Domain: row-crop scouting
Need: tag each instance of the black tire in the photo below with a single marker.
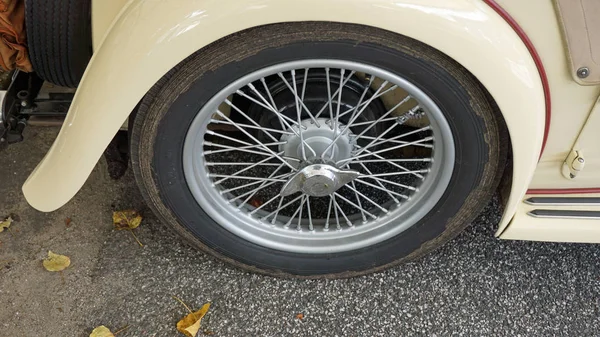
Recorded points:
(59, 39)
(169, 107)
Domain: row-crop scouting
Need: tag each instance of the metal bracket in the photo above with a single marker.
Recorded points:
(574, 164)
(23, 100)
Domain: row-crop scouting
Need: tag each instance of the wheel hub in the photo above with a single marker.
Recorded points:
(318, 138)
(318, 175)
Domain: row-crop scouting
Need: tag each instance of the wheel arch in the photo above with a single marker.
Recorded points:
(149, 38)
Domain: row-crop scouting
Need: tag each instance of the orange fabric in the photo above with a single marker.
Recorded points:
(13, 40)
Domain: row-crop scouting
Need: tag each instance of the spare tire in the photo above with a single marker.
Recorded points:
(59, 38)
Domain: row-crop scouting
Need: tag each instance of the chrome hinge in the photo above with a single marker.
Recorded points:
(573, 164)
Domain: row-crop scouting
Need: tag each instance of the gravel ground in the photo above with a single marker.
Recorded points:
(476, 285)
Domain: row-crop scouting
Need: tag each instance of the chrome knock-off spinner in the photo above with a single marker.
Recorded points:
(318, 180)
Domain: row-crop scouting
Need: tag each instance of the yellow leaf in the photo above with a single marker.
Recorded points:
(101, 331)
(128, 219)
(56, 262)
(5, 224)
(190, 324)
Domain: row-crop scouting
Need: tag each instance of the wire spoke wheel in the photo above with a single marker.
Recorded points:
(317, 149)
(318, 156)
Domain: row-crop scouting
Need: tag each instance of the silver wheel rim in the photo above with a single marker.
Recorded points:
(272, 221)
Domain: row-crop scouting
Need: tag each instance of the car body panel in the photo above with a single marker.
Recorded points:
(526, 227)
(571, 102)
(104, 13)
(150, 37)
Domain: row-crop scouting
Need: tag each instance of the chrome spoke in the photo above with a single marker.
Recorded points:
(352, 120)
(263, 205)
(228, 148)
(254, 127)
(375, 96)
(395, 138)
(393, 183)
(330, 99)
(282, 121)
(371, 122)
(348, 222)
(281, 117)
(282, 207)
(406, 99)
(380, 184)
(228, 102)
(393, 173)
(251, 193)
(375, 142)
(295, 92)
(284, 124)
(391, 162)
(241, 164)
(212, 133)
(389, 140)
(251, 184)
(263, 185)
(362, 211)
(304, 84)
(257, 141)
(299, 226)
(246, 169)
(366, 198)
(287, 224)
(401, 160)
(326, 228)
(310, 222)
(355, 206)
(404, 196)
(335, 211)
(214, 175)
(351, 159)
(339, 103)
(298, 115)
(277, 210)
(362, 97)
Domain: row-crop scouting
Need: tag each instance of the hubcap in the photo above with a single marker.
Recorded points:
(318, 156)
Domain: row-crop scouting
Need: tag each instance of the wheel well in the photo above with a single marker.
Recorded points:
(504, 178)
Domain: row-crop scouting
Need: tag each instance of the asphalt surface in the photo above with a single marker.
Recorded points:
(475, 285)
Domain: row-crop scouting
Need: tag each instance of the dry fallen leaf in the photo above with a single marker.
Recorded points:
(190, 324)
(68, 222)
(6, 223)
(101, 331)
(300, 316)
(128, 219)
(56, 262)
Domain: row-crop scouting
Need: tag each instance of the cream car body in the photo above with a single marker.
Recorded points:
(138, 41)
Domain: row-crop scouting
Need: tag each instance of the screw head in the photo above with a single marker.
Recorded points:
(583, 72)
(23, 103)
(581, 160)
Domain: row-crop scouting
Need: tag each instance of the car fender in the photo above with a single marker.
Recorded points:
(149, 37)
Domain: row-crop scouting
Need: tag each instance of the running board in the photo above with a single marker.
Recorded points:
(564, 214)
(563, 201)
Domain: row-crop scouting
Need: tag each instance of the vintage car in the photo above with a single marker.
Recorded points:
(324, 138)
